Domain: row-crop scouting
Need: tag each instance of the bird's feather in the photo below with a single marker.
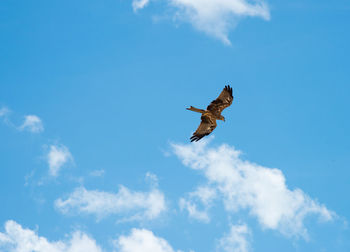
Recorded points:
(207, 125)
(223, 101)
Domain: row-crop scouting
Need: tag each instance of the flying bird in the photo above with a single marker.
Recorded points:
(212, 113)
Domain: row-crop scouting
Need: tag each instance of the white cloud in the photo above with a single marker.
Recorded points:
(203, 195)
(15, 238)
(32, 123)
(19, 239)
(4, 111)
(139, 4)
(245, 185)
(215, 18)
(134, 205)
(236, 240)
(192, 210)
(97, 173)
(152, 179)
(57, 157)
(142, 240)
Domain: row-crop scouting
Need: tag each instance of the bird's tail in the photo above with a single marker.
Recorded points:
(196, 110)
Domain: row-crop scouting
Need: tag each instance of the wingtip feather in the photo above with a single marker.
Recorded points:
(229, 89)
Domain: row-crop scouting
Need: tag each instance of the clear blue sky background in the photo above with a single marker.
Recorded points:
(112, 86)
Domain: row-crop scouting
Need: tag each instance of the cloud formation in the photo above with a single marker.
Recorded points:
(139, 4)
(241, 184)
(19, 239)
(142, 240)
(97, 173)
(236, 240)
(4, 111)
(193, 210)
(204, 195)
(215, 18)
(57, 156)
(133, 205)
(32, 123)
(15, 238)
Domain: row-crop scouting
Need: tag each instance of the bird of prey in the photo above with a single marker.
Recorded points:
(212, 113)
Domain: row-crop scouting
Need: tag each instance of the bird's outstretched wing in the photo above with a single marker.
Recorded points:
(223, 101)
(207, 125)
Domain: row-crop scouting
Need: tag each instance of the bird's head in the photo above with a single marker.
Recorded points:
(222, 118)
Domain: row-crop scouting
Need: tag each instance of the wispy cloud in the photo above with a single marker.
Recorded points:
(139, 4)
(193, 211)
(142, 240)
(203, 195)
(32, 123)
(97, 173)
(236, 240)
(131, 205)
(57, 156)
(215, 18)
(242, 184)
(152, 179)
(19, 239)
(4, 111)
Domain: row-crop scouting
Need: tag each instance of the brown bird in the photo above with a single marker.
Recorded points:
(212, 113)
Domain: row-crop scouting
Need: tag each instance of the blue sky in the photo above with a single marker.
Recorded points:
(95, 152)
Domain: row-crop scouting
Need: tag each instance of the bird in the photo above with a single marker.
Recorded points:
(212, 113)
